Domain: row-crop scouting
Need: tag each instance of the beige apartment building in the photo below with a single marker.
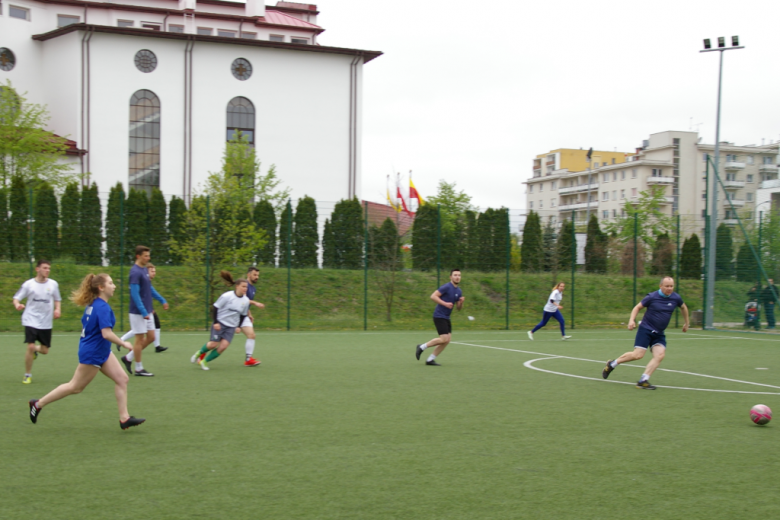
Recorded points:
(674, 161)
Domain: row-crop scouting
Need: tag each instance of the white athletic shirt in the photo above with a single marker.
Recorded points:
(231, 308)
(555, 296)
(39, 308)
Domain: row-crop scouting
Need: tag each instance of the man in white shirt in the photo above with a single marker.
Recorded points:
(43, 306)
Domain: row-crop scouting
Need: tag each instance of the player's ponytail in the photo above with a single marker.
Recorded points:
(225, 275)
(89, 289)
(555, 288)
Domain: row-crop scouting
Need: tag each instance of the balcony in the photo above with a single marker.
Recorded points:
(774, 183)
(730, 221)
(578, 189)
(665, 200)
(579, 205)
(737, 203)
(734, 185)
(767, 168)
(660, 180)
(731, 165)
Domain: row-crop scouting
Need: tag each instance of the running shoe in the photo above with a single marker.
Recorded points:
(132, 421)
(607, 369)
(203, 364)
(418, 351)
(27, 380)
(565, 338)
(251, 362)
(160, 349)
(195, 357)
(143, 373)
(645, 385)
(433, 363)
(530, 335)
(34, 410)
(202, 356)
(128, 364)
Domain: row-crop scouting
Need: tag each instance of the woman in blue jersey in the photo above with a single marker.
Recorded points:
(94, 349)
(552, 310)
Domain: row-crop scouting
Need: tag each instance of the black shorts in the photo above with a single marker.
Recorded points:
(42, 336)
(443, 326)
(156, 320)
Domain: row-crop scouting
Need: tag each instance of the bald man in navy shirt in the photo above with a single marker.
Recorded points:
(660, 307)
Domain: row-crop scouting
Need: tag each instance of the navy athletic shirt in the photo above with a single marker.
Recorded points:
(140, 276)
(250, 291)
(449, 294)
(659, 310)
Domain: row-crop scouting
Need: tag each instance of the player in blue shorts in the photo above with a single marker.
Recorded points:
(660, 307)
(447, 297)
(94, 349)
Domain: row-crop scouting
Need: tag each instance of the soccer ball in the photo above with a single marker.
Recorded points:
(761, 414)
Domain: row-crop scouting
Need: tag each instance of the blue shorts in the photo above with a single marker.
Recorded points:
(95, 357)
(646, 338)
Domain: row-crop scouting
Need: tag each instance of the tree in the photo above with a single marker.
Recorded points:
(651, 221)
(91, 221)
(264, 217)
(177, 219)
(158, 228)
(116, 225)
(46, 216)
(18, 238)
(348, 235)
(385, 261)
(453, 204)
(70, 231)
(485, 232)
(747, 267)
(328, 247)
(595, 248)
(532, 256)
(565, 244)
(305, 236)
(4, 239)
(27, 149)
(425, 238)
(285, 234)
(137, 222)
(724, 253)
(691, 258)
(549, 238)
(663, 256)
(628, 264)
(471, 241)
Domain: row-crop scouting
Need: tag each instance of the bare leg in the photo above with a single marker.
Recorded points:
(29, 356)
(441, 343)
(114, 371)
(141, 342)
(223, 345)
(636, 355)
(659, 351)
(83, 376)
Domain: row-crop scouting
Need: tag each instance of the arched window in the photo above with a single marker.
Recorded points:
(241, 117)
(144, 141)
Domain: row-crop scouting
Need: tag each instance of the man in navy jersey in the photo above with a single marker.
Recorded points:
(247, 325)
(447, 297)
(660, 307)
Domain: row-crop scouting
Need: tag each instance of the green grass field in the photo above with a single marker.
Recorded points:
(350, 425)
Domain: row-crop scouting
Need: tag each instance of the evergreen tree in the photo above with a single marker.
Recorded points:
(485, 231)
(4, 224)
(328, 247)
(158, 228)
(136, 216)
(663, 256)
(177, 218)
(724, 253)
(46, 214)
(471, 242)
(564, 245)
(384, 246)
(265, 219)
(425, 238)
(500, 238)
(19, 238)
(747, 267)
(285, 231)
(691, 258)
(348, 234)
(532, 255)
(70, 231)
(595, 248)
(549, 238)
(305, 237)
(116, 224)
(91, 221)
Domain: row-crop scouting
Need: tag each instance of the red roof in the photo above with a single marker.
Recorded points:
(377, 213)
(280, 18)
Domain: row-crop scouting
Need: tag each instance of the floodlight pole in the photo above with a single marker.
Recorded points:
(709, 310)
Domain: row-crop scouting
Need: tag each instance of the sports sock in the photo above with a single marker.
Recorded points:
(250, 348)
(127, 336)
(130, 356)
(431, 357)
(644, 377)
(28, 375)
(423, 346)
(139, 366)
(212, 356)
(204, 348)
(156, 337)
(614, 364)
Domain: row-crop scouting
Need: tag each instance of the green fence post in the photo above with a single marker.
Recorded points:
(508, 259)
(30, 224)
(573, 261)
(438, 245)
(122, 261)
(760, 256)
(208, 259)
(677, 274)
(289, 257)
(636, 232)
(365, 265)
(706, 233)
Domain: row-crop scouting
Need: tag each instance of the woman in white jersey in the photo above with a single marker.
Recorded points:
(552, 310)
(229, 311)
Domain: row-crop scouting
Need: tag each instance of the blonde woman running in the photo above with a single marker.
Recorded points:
(552, 310)
(94, 349)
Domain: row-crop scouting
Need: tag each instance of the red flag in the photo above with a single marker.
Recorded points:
(403, 202)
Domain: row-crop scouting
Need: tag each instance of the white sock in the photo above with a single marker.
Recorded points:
(28, 375)
(431, 357)
(423, 346)
(250, 348)
(130, 356)
(128, 336)
(156, 337)
(139, 366)
(644, 377)
(614, 364)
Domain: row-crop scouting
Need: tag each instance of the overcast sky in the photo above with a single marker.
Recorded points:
(471, 91)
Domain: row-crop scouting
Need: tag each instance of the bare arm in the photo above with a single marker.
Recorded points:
(634, 312)
(460, 302)
(436, 296)
(57, 309)
(684, 310)
(19, 306)
(113, 338)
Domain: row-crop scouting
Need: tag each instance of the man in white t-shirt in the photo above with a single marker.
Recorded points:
(43, 306)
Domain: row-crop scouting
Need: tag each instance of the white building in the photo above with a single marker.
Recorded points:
(150, 90)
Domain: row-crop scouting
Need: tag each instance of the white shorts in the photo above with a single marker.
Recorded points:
(140, 325)
(246, 323)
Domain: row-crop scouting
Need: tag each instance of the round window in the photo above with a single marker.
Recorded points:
(7, 59)
(241, 69)
(145, 61)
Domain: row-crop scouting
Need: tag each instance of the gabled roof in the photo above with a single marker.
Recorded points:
(377, 213)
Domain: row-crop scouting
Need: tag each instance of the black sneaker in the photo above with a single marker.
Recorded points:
(433, 363)
(419, 351)
(132, 421)
(128, 364)
(34, 410)
(144, 373)
(645, 385)
(607, 369)
(160, 349)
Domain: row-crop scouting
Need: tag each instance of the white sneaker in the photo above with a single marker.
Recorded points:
(203, 365)
(565, 338)
(530, 335)
(194, 358)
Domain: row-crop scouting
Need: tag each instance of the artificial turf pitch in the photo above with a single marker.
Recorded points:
(350, 425)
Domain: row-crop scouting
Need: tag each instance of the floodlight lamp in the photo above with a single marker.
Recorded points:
(735, 41)
(707, 44)
(721, 42)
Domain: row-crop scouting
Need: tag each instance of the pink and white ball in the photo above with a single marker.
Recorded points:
(761, 414)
